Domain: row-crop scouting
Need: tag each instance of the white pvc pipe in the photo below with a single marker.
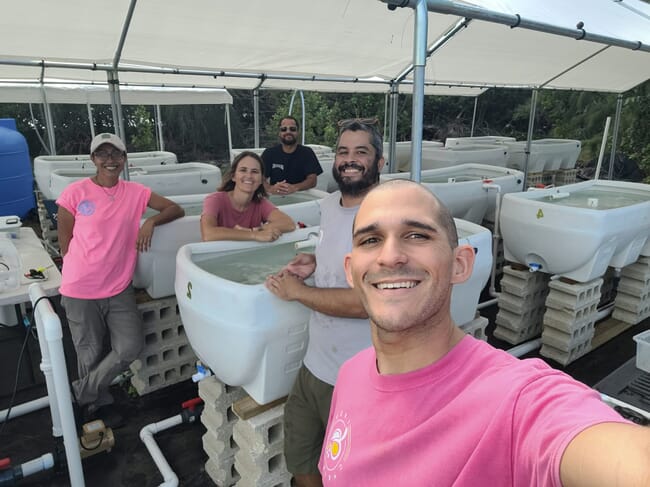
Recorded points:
(147, 436)
(604, 312)
(495, 241)
(43, 402)
(526, 347)
(612, 401)
(39, 464)
(310, 241)
(49, 329)
(602, 148)
(25, 408)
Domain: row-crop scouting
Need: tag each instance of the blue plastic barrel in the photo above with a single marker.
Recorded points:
(16, 178)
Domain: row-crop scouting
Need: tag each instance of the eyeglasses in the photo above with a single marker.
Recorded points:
(363, 121)
(290, 129)
(104, 155)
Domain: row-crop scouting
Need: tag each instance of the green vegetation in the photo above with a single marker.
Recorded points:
(198, 133)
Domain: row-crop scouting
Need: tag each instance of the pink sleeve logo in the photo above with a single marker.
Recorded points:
(337, 445)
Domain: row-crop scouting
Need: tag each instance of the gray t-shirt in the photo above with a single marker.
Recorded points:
(333, 340)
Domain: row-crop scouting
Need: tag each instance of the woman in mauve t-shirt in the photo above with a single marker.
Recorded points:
(240, 210)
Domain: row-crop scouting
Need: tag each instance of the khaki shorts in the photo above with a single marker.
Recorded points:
(305, 420)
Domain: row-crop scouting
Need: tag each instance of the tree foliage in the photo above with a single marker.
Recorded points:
(198, 132)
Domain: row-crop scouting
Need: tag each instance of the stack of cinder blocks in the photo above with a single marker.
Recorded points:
(218, 418)
(570, 318)
(167, 357)
(545, 178)
(260, 458)
(565, 176)
(243, 452)
(632, 303)
(476, 327)
(521, 305)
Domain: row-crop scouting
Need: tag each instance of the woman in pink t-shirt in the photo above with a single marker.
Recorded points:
(240, 210)
(100, 236)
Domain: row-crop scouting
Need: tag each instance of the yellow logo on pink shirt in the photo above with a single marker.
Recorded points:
(337, 445)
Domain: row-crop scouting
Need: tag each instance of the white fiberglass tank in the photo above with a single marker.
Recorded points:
(545, 154)
(577, 230)
(481, 139)
(439, 157)
(403, 153)
(175, 179)
(249, 337)
(463, 188)
(44, 165)
(155, 269)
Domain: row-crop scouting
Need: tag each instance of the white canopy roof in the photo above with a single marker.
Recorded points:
(316, 44)
(52, 92)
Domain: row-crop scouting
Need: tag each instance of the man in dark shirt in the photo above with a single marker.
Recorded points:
(289, 166)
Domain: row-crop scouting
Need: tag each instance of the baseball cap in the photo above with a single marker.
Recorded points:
(107, 138)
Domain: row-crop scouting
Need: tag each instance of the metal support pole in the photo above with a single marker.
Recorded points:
(419, 63)
(227, 111)
(116, 108)
(392, 148)
(49, 123)
(617, 123)
(256, 117)
(91, 120)
(159, 127)
(529, 136)
(471, 133)
(302, 108)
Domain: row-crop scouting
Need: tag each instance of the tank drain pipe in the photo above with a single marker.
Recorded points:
(10, 475)
(495, 241)
(24, 408)
(191, 410)
(525, 347)
(310, 241)
(53, 365)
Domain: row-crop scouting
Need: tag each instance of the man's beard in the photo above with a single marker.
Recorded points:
(356, 188)
(293, 141)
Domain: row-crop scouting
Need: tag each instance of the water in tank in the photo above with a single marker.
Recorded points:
(16, 178)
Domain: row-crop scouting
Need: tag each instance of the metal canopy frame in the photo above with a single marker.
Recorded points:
(468, 12)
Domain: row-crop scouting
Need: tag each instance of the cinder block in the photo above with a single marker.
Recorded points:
(275, 480)
(148, 379)
(634, 287)
(565, 322)
(159, 311)
(639, 270)
(558, 318)
(634, 304)
(257, 468)
(262, 431)
(476, 327)
(573, 296)
(520, 305)
(567, 341)
(217, 448)
(563, 357)
(565, 176)
(515, 322)
(629, 317)
(522, 283)
(516, 337)
(218, 395)
(223, 474)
